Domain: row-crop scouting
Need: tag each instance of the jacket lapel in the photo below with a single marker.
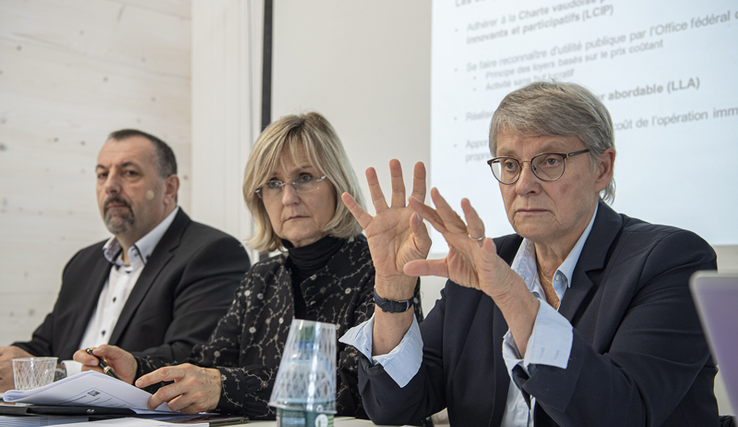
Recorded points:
(594, 256)
(162, 254)
(99, 274)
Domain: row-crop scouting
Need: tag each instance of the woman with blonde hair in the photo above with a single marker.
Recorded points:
(294, 177)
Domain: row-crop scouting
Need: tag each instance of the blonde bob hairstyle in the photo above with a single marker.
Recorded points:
(324, 152)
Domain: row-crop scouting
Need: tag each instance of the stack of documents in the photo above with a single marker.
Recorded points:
(134, 422)
(92, 396)
(91, 389)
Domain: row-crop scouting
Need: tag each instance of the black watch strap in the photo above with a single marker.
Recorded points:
(392, 306)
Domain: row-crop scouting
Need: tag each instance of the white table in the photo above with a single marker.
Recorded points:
(338, 422)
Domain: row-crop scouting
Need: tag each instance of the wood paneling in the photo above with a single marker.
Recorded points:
(71, 72)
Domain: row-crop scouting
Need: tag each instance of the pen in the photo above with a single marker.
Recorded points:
(101, 363)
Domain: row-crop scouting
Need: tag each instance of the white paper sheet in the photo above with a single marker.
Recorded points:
(87, 389)
(133, 422)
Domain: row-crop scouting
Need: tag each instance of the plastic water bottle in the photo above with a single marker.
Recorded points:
(304, 393)
(290, 418)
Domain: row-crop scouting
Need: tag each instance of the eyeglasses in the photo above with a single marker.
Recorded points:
(304, 183)
(546, 166)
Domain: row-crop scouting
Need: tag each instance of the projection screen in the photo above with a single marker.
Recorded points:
(666, 70)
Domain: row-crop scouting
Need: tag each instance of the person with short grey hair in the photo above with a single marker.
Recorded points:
(582, 318)
(557, 109)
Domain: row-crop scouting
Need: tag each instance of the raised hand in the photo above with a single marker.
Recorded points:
(472, 259)
(122, 362)
(396, 234)
(194, 389)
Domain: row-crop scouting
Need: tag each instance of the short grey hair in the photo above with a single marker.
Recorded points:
(325, 153)
(557, 109)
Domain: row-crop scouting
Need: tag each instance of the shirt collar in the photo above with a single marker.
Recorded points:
(139, 253)
(525, 260)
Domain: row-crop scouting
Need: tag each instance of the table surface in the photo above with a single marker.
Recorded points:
(337, 422)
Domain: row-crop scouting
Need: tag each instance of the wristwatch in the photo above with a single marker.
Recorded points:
(392, 306)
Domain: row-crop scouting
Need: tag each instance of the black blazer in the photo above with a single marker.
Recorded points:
(639, 355)
(185, 287)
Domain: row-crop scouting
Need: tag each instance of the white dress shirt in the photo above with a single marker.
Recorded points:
(549, 344)
(120, 282)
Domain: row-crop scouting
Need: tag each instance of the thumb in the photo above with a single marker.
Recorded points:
(423, 267)
(423, 240)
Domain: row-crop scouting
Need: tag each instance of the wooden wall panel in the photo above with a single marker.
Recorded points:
(71, 72)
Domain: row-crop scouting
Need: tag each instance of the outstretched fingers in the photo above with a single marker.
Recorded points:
(475, 226)
(451, 220)
(378, 200)
(356, 210)
(428, 213)
(419, 182)
(398, 185)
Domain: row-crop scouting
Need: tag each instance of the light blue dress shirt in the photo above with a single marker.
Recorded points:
(549, 343)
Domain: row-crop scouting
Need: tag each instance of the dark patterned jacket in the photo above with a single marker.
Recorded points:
(246, 346)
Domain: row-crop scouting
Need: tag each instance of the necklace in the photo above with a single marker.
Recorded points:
(551, 296)
(543, 275)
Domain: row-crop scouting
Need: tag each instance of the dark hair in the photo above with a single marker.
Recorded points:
(167, 163)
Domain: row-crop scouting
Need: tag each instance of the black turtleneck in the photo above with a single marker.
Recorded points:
(305, 261)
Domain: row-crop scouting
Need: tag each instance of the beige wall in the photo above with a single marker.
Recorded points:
(71, 72)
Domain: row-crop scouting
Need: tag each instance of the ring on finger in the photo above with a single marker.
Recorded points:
(477, 239)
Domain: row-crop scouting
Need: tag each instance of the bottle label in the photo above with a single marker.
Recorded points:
(287, 418)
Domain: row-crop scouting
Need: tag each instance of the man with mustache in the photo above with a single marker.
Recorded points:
(156, 287)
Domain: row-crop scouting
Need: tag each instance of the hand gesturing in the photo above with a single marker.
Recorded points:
(396, 234)
(472, 259)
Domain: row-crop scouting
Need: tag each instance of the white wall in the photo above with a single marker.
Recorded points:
(71, 72)
(226, 106)
(365, 65)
